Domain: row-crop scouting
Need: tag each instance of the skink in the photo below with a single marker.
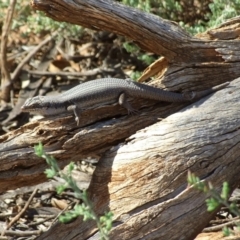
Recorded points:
(106, 90)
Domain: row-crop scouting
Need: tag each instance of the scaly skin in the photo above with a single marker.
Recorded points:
(106, 90)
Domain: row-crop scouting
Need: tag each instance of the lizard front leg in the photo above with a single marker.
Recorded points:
(76, 112)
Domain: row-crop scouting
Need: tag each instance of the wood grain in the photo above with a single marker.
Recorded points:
(142, 177)
(144, 182)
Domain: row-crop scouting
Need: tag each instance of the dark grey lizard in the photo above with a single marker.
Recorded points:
(106, 90)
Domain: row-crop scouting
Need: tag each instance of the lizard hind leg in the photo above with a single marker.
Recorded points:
(122, 100)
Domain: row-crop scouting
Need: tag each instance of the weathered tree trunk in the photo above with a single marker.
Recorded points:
(143, 182)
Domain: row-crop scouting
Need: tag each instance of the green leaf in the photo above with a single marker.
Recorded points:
(71, 167)
(233, 206)
(67, 217)
(146, 59)
(212, 204)
(225, 191)
(60, 189)
(130, 47)
(50, 173)
(226, 231)
(191, 178)
(38, 149)
(106, 221)
(85, 209)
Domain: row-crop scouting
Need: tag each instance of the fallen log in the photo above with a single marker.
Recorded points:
(143, 181)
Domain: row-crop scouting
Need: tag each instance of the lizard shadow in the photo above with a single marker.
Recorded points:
(98, 190)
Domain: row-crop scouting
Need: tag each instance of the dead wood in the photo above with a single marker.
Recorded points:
(6, 78)
(207, 60)
(17, 217)
(144, 180)
(67, 142)
(31, 54)
(34, 85)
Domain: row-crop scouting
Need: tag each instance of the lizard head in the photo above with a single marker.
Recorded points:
(38, 104)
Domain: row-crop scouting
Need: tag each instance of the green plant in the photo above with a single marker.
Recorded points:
(166, 9)
(135, 75)
(36, 22)
(196, 16)
(221, 10)
(39, 22)
(215, 199)
(134, 49)
(104, 223)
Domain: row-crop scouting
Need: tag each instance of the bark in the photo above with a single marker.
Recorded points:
(67, 142)
(5, 74)
(210, 58)
(143, 182)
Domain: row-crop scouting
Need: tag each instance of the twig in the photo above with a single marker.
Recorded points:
(60, 213)
(31, 54)
(22, 233)
(44, 216)
(55, 219)
(6, 78)
(220, 226)
(4, 215)
(67, 74)
(222, 220)
(41, 221)
(21, 212)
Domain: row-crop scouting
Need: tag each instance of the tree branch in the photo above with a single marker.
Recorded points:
(164, 39)
(189, 61)
(144, 182)
(6, 78)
